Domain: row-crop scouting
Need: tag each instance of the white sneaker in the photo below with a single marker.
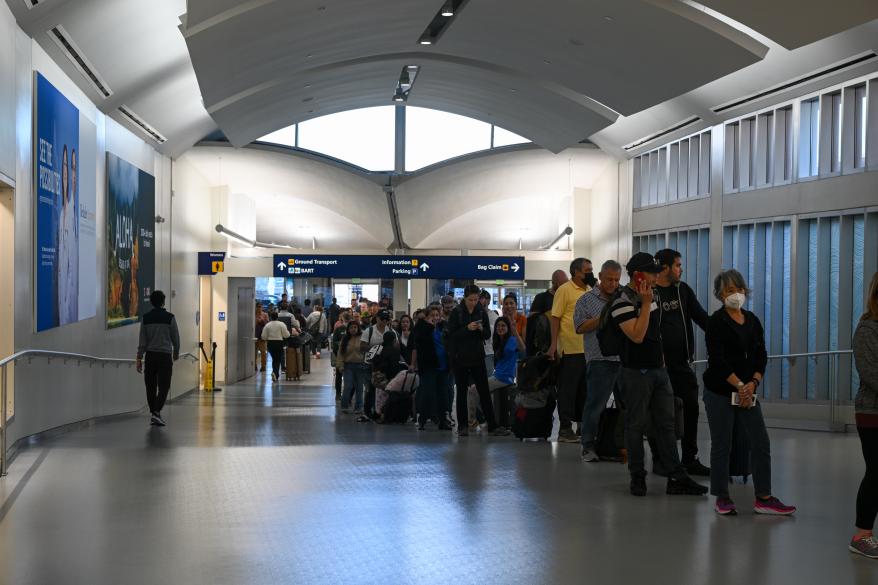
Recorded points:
(157, 420)
(589, 455)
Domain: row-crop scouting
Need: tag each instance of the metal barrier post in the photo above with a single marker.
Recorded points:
(3, 390)
(835, 423)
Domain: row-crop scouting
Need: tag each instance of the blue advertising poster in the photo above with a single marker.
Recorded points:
(400, 267)
(57, 208)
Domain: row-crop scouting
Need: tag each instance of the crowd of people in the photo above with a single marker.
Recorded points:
(631, 346)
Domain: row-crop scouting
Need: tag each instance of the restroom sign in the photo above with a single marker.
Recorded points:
(211, 263)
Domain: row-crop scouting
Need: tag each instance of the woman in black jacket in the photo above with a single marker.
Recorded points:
(736, 365)
(468, 328)
(430, 362)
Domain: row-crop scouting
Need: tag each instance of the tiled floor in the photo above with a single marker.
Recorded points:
(266, 484)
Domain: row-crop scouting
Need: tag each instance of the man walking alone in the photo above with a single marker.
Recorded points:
(160, 347)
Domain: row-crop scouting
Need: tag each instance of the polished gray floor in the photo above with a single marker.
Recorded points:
(270, 484)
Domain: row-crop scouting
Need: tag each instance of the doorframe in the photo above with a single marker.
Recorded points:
(7, 287)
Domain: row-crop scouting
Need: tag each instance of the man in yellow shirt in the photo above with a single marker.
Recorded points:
(567, 345)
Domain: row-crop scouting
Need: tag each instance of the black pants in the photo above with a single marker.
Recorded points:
(338, 380)
(571, 389)
(685, 385)
(157, 369)
(277, 350)
(867, 497)
(479, 376)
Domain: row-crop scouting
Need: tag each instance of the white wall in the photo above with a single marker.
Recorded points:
(49, 395)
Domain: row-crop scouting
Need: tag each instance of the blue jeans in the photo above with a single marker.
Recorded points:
(601, 379)
(721, 417)
(648, 396)
(355, 378)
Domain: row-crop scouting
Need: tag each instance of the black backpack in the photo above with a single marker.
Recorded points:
(611, 339)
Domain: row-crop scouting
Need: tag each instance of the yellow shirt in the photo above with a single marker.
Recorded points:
(569, 341)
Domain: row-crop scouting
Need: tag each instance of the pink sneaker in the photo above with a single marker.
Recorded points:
(772, 506)
(725, 507)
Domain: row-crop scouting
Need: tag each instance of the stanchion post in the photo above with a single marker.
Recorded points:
(213, 370)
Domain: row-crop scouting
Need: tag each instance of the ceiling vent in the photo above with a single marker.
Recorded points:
(870, 56)
(138, 121)
(640, 142)
(31, 3)
(440, 23)
(69, 48)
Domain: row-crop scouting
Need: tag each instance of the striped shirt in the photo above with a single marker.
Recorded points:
(589, 306)
(648, 353)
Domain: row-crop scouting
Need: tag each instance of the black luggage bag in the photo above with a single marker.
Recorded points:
(610, 443)
(535, 423)
(398, 408)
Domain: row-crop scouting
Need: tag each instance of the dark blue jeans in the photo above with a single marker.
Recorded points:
(601, 378)
(721, 417)
(648, 396)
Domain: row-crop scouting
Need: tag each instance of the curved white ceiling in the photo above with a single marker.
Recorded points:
(258, 62)
(656, 62)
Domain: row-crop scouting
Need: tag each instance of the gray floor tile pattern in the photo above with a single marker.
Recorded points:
(271, 484)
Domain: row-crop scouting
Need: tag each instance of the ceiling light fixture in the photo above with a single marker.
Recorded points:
(405, 83)
(449, 11)
(220, 228)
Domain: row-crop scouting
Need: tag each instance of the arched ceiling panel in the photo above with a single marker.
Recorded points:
(298, 198)
(795, 23)
(456, 87)
(625, 54)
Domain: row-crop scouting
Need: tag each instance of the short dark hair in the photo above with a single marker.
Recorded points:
(272, 316)
(577, 264)
(667, 256)
(485, 294)
(334, 300)
(157, 299)
(307, 301)
(471, 289)
(511, 296)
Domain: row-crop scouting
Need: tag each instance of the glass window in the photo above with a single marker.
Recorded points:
(809, 138)
(835, 134)
(506, 138)
(433, 136)
(860, 126)
(363, 137)
(284, 136)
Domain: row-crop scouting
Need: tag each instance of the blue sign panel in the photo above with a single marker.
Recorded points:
(402, 267)
(210, 263)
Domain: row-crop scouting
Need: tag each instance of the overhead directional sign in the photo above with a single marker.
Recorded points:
(407, 267)
(210, 263)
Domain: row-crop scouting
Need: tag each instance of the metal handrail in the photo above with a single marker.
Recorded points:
(813, 354)
(50, 355)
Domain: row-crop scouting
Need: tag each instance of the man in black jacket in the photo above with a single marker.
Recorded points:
(680, 308)
(467, 329)
(160, 345)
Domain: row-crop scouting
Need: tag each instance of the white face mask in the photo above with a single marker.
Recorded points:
(735, 301)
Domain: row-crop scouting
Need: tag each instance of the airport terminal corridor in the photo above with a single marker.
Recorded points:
(267, 484)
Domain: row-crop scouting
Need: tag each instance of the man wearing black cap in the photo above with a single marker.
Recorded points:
(643, 380)
(680, 307)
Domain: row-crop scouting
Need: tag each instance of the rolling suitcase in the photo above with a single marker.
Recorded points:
(398, 408)
(305, 352)
(293, 360)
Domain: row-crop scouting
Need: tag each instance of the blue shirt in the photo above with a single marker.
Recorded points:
(440, 349)
(504, 368)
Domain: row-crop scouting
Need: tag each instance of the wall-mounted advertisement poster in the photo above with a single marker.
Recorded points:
(65, 234)
(130, 241)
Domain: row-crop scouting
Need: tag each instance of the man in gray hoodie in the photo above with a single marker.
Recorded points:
(160, 346)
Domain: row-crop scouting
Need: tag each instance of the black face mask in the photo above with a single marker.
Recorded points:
(589, 279)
